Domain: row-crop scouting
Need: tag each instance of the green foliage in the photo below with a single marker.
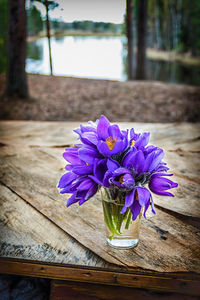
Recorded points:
(86, 26)
(190, 27)
(3, 35)
(34, 21)
(173, 25)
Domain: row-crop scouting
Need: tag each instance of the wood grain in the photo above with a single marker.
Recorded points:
(62, 290)
(31, 164)
(24, 233)
(187, 284)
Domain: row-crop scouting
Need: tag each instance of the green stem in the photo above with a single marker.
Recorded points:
(120, 219)
(109, 220)
(128, 219)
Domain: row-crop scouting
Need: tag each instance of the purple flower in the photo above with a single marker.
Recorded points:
(82, 188)
(136, 199)
(121, 162)
(88, 154)
(103, 171)
(123, 178)
(111, 140)
(135, 161)
(159, 185)
(139, 140)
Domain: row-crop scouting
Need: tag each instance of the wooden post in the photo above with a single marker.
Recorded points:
(141, 39)
(16, 75)
(129, 30)
(48, 35)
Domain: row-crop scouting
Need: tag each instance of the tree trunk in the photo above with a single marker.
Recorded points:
(141, 39)
(16, 75)
(129, 30)
(48, 35)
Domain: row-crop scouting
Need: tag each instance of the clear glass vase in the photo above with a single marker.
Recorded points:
(121, 231)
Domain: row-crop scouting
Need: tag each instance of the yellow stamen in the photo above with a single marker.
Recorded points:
(132, 143)
(87, 164)
(121, 179)
(111, 142)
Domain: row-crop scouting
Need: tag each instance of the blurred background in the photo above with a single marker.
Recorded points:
(116, 40)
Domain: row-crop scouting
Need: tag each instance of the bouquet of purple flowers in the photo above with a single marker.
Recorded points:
(121, 161)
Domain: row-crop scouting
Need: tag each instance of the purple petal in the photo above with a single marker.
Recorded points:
(89, 138)
(83, 169)
(107, 178)
(133, 136)
(124, 208)
(128, 181)
(77, 130)
(158, 185)
(146, 207)
(66, 179)
(81, 201)
(71, 155)
(81, 194)
(161, 174)
(135, 160)
(153, 159)
(139, 161)
(104, 149)
(95, 179)
(161, 167)
(152, 205)
(135, 209)
(66, 190)
(100, 168)
(69, 167)
(88, 154)
(85, 184)
(121, 171)
(163, 193)
(71, 200)
(112, 164)
(129, 198)
(93, 189)
(102, 127)
(114, 131)
(126, 162)
(143, 140)
(88, 128)
(149, 149)
(143, 195)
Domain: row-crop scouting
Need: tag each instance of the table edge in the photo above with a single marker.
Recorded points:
(183, 283)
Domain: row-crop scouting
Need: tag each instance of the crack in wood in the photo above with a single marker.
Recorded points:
(181, 151)
(194, 221)
(187, 177)
(51, 146)
(4, 184)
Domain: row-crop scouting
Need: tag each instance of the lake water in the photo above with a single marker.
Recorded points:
(101, 58)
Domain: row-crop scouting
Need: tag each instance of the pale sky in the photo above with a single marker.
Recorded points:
(95, 10)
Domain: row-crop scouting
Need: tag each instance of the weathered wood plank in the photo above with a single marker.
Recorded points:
(85, 224)
(187, 284)
(32, 164)
(88, 291)
(26, 233)
(171, 136)
(176, 138)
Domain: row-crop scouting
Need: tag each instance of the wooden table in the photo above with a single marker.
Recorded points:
(40, 237)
